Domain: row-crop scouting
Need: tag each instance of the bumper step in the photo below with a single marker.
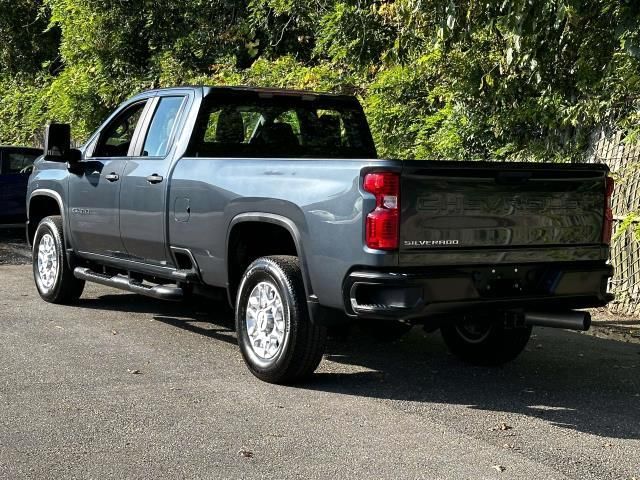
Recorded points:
(549, 291)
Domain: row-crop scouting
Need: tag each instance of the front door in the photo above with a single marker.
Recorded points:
(145, 184)
(95, 182)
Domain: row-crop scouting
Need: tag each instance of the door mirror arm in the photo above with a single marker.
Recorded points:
(74, 156)
(73, 161)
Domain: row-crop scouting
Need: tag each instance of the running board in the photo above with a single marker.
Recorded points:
(163, 292)
(185, 275)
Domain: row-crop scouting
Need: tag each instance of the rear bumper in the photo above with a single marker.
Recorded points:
(412, 294)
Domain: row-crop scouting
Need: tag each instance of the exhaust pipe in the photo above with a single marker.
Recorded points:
(570, 320)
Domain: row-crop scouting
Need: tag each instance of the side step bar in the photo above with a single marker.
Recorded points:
(163, 292)
(570, 320)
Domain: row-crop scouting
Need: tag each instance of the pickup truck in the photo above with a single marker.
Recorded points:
(15, 167)
(277, 199)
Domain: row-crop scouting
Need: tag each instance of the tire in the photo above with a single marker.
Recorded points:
(53, 277)
(271, 302)
(490, 343)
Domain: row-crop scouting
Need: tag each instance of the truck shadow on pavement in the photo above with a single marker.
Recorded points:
(567, 379)
(194, 316)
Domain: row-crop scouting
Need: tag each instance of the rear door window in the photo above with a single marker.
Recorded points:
(161, 130)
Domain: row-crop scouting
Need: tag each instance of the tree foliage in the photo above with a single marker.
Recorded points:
(27, 45)
(522, 79)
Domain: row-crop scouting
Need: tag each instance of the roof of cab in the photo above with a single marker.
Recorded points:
(288, 92)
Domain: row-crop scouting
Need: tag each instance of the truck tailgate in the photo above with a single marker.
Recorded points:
(472, 212)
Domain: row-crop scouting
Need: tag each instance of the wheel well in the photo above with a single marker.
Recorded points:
(40, 207)
(251, 240)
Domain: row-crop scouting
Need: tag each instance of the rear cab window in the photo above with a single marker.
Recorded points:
(254, 125)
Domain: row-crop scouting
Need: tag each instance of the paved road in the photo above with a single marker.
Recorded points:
(13, 248)
(71, 408)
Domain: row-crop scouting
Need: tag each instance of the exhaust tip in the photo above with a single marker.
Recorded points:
(571, 320)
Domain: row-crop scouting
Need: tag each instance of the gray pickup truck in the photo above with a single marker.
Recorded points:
(277, 200)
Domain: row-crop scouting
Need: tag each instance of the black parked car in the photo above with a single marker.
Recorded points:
(16, 164)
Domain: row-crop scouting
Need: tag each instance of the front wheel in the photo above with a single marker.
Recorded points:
(482, 341)
(54, 279)
(277, 339)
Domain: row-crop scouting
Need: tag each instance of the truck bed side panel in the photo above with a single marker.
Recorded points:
(322, 197)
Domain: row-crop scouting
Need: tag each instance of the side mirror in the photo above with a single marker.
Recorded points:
(57, 144)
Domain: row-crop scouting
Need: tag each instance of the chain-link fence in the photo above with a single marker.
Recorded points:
(623, 159)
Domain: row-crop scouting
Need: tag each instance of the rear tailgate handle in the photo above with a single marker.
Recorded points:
(113, 177)
(512, 177)
(155, 178)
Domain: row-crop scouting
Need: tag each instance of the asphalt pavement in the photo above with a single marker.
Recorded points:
(122, 386)
(13, 248)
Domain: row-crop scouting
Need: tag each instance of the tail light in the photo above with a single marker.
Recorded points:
(382, 227)
(607, 224)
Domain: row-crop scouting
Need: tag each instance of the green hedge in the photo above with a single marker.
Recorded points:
(526, 79)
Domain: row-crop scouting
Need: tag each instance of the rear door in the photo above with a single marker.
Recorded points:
(468, 212)
(95, 182)
(145, 182)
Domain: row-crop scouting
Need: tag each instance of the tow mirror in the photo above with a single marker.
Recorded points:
(57, 144)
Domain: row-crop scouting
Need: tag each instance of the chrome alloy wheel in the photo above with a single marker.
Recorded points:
(47, 261)
(265, 321)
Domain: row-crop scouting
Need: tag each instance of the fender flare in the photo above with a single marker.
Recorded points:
(281, 221)
(45, 192)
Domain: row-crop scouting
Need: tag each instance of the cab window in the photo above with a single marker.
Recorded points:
(162, 127)
(116, 138)
(280, 127)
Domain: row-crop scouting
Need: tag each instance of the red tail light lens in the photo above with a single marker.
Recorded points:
(607, 224)
(382, 226)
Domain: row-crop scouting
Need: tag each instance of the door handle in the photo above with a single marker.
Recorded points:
(112, 177)
(155, 178)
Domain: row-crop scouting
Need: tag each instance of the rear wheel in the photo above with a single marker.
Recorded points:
(277, 339)
(482, 341)
(54, 279)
